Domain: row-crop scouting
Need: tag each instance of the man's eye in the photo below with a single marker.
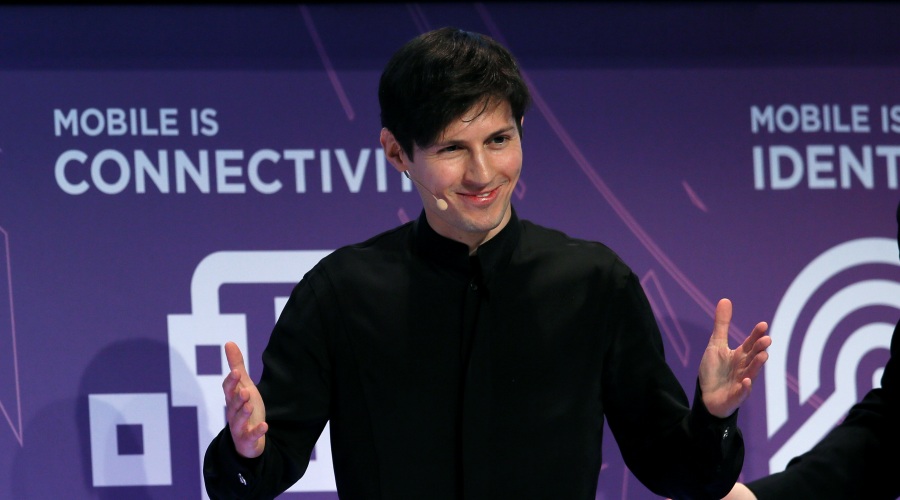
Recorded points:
(501, 139)
(449, 149)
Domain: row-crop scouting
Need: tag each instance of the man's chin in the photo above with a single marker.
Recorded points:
(494, 223)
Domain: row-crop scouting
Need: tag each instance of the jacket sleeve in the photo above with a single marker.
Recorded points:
(295, 386)
(675, 450)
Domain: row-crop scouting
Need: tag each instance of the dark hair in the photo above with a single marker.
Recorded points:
(438, 76)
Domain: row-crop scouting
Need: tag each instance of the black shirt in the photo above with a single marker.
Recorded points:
(449, 376)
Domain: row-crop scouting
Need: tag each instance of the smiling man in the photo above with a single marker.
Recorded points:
(472, 169)
(471, 354)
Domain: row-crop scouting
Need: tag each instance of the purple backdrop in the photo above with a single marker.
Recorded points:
(168, 173)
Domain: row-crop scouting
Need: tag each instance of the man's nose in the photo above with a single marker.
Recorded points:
(478, 170)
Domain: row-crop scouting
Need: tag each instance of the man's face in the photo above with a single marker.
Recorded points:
(473, 166)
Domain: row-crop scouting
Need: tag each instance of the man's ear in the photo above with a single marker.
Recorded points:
(393, 151)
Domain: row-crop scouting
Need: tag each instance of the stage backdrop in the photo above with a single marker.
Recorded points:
(167, 174)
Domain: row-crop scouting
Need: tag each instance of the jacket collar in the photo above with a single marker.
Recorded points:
(492, 256)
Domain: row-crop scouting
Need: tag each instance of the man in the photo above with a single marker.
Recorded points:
(857, 459)
(470, 354)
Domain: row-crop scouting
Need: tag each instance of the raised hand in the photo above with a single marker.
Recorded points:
(726, 375)
(245, 410)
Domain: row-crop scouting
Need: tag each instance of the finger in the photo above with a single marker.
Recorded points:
(229, 385)
(238, 420)
(258, 431)
(756, 365)
(230, 389)
(759, 330)
(234, 356)
(762, 343)
(251, 431)
(752, 344)
(251, 442)
(757, 341)
(236, 401)
(721, 323)
(741, 392)
(746, 386)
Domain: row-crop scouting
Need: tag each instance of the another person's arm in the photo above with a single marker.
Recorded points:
(856, 459)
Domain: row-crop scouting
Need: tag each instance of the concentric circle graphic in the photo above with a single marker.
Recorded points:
(826, 317)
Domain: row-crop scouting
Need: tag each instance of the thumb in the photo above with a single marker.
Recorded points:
(234, 356)
(721, 323)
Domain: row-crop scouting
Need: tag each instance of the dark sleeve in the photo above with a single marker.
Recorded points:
(857, 459)
(673, 449)
(295, 387)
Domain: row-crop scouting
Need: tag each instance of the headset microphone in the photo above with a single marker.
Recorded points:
(441, 204)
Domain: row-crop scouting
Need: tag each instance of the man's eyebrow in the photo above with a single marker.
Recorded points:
(443, 142)
(503, 130)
